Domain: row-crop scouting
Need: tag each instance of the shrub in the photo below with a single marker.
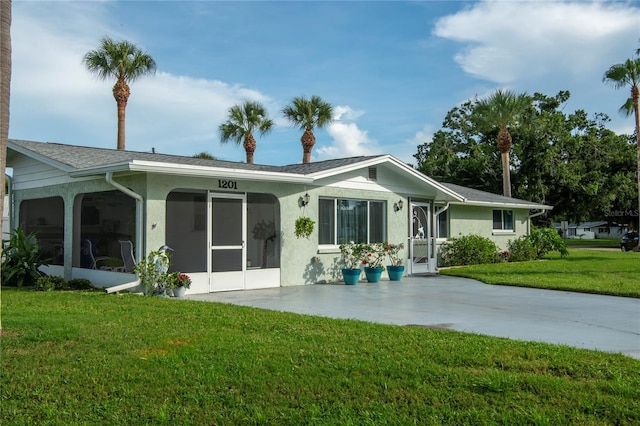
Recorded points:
(469, 250)
(521, 250)
(547, 240)
(50, 283)
(80, 284)
(21, 259)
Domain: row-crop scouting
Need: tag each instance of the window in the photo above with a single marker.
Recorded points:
(503, 220)
(443, 225)
(344, 220)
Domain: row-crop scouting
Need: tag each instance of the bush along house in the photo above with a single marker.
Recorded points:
(231, 225)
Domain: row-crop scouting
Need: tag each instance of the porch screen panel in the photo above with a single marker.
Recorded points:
(352, 221)
(263, 231)
(186, 230)
(377, 228)
(45, 218)
(227, 237)
(227, 222)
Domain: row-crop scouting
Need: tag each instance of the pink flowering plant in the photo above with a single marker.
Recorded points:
(179, 279)
(393, 253)
(375, 254)
(353, 254)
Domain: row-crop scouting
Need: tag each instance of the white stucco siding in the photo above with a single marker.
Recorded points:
(29, 173)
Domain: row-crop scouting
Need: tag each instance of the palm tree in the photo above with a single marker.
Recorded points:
(307, 114)
(503, 108)
(242, 121)
(5, 88)
(126, 63)
(628, 74)
(204, 155)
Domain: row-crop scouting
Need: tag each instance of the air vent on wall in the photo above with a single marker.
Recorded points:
(373, 173)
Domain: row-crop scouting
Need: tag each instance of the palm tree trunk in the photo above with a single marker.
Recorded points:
(5, 89)
(249, 146)
(506, 174)
(121, 94)
(308, 140)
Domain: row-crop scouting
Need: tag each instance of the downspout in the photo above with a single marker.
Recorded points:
(139, 228)
(531, 216)
(11, 211)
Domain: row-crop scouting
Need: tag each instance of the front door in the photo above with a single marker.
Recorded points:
(227, 254)
(419, 242)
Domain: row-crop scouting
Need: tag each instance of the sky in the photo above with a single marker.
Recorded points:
(391, 70)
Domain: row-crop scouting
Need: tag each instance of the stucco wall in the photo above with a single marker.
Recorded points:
(301, 261)
(467, 220)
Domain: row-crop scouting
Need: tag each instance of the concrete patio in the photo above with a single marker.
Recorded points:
(605, 323)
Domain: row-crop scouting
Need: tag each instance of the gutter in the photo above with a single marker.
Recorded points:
(139, 228)
(531, 216)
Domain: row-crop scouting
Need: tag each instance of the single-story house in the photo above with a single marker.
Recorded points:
(591, 230)
(231, 225)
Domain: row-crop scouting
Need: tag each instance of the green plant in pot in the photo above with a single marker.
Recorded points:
(396, 269)
(374, 257)
(352, 257)
(304, 227)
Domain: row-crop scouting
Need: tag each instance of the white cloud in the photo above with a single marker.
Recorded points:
(51, 85)
(508, 41)
(348, 139)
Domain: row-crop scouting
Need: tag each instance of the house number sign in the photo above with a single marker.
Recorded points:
(227, 184)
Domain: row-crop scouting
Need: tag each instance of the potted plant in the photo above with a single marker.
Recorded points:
(352, 257)
(180, 283)
(304, 227)
(373, 259)
(396, 269)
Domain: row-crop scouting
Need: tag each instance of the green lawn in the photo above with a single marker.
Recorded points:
(588, 271)
(90, 358)
(609, 243)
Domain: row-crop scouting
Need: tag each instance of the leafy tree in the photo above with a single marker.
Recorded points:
(126, 63)
(503, 109)
(308, 114)
(570, 161)
(623, 75)
(241, 122)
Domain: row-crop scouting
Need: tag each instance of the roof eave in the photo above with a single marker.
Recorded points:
(191, 170)
(499, 204)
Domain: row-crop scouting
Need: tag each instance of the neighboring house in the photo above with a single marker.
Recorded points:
(591, 230)
(231, 225)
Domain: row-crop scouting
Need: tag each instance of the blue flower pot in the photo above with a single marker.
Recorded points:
(373, 274)
(395, 272)
(351, 276)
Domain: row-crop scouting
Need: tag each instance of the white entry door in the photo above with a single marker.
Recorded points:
(420, 247)
(227, 254)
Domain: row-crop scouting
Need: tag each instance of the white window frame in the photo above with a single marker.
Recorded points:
(335, 219)
(502, 221)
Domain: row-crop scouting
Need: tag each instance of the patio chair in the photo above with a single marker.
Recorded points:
(87, 259)
(126, 251)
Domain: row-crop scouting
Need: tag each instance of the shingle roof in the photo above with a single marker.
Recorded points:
(84, 157)
(78, 158)
(477, 196)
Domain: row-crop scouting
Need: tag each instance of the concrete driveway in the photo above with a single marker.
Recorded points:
(605, 323)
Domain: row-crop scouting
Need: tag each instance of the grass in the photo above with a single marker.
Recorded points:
(586, 271)
(600, 242)
(90, 358)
